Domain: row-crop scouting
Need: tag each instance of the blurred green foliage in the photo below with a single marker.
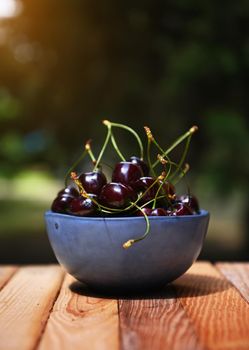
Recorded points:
(66, 65)
(169, 64)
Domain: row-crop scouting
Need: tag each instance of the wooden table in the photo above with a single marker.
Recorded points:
(43, 308)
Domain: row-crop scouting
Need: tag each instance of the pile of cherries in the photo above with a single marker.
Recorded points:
(132, 192)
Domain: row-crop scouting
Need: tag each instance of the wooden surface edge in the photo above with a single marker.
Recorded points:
(6, 273)
(237, 273)
(25, 303)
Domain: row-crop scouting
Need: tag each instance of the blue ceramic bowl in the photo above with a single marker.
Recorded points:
(91, 249)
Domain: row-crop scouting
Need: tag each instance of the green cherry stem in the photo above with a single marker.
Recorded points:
(108, 135)
(177, 142)
(182, 170)
(89, 151)
(184, 155)
(130, 242)
(133, 132)
(150, 139)
(163, 181)
(182, 174)
(75, 164)
(115, 146)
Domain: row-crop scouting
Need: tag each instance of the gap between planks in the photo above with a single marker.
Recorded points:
(217, 310)
(238, 275)
(25, 303)
(6, 272)
(199, 310)
(79, 321)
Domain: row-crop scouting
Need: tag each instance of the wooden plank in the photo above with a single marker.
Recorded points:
(78, 321)
(218, 312)
(157, 322)
(25, 303)
(6, 272)
(238, 275)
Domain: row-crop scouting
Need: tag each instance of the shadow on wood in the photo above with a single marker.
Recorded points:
(188, 285)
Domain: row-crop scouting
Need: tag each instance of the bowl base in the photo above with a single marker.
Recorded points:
(119, 291)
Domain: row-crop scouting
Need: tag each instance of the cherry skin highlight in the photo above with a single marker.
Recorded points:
(146, 211)
(159, 212)
(191, 201)
(61, 204)
(143, 184)
(126, 173)
(138, 161)
(68, 191)
(116, 195)
(180, 209)
(93, 181)
(81, 207)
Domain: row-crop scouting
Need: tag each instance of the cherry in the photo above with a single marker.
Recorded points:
(61, 204)
(138, 161)
(191, 201)
(143, 184)
(153, 212)
(116, 195)
(180, 209)
(68, 191)
(145, 210)
(159, 212)
(93, 181)
(81, 206)
(168, 188)
(126, 173)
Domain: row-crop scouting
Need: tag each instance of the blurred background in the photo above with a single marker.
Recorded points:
(67, 65)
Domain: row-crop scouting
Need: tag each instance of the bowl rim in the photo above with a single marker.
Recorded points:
(202, 213)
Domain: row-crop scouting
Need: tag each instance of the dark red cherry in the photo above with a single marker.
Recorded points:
(143, 184)
(180, 209)
(81, 207)
(145, 210)
(168, 188)
(93, 181)
(126, 173)
(116, 195)
(191, 201)
(68, 191)
(141, 163)
(159, 212)
(61, 204)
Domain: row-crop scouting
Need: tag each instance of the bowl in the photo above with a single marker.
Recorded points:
(90, 248)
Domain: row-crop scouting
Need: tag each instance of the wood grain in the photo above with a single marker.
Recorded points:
(216, 309)
(81, 322)
(238, 275)
(156, 323)
(6, 272)
(24, 306)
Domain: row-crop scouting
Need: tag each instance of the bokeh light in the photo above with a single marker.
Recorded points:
(10, 8)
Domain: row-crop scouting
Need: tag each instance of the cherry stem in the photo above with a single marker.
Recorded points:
(150, 139)
(130, 242)
(75, 164)
(182, 174)
(151, 200)
(182, 170)
(165, 194)
(177, 142)
(164, 162)
(133, 132)
(89, 151)
(115, 146)
(108, 135)
(184, 155)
